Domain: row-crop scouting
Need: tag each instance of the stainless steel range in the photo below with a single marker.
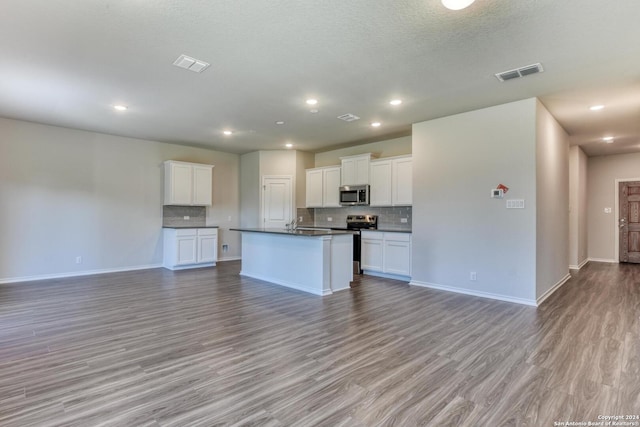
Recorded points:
(357, 223)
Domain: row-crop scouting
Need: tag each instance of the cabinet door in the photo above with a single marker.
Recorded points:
(202, 176)
(402, 180)
(186, 250)
(314, 188)
(180, 184)
(397, 254)
(207, 249)
(371, 254)
(331, 187)
(348, 172)
(380, 181)
(362, 170)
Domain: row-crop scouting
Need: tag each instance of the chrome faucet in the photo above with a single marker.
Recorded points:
(291, 225)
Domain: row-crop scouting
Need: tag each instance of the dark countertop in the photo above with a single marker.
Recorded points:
(389, 230)
(178, 227)
(298, 232)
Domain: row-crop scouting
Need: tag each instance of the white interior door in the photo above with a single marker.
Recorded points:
(277, 201)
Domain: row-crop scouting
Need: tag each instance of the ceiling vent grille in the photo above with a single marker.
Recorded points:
(191, 64)
(349, 117)
(520, 72)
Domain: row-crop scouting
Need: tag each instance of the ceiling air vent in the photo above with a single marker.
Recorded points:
(191, 64)
(349, 117)
(520, 72)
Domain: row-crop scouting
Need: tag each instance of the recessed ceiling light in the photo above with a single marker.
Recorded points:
(395, 102)
(279, 122)
(596, 107)
(457, 4)
(608, 139)
(120, 107)
(288, 145)
(227, 132)
(312, 101)
(376, 124)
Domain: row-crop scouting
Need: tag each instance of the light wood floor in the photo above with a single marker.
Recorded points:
(207, 347)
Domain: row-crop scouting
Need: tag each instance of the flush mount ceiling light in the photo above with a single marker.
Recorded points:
(120, 107)
(596, 107)
(312, 101)
(395, 102)
(279, 122)
(227, 132)
(376, 124)
(313, 110)
(457, 4)
(288, 145)
(608, 139)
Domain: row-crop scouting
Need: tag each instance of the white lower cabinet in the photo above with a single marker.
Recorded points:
(386, 252)
(190, 247)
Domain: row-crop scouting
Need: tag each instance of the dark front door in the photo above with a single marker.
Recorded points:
(629, 221)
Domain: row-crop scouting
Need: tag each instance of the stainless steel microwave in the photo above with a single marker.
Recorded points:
(352, 195)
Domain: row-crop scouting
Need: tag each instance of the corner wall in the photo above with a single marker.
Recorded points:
(578, 249)
(66, 193)
(552, 203)
(457, 227)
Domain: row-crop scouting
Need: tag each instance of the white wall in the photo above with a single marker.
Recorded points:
(250, 190)
(457, 227)
(67, 193)
(255, 165)
(601, 189)
(386, 148)
(552, 202)
(578, 161)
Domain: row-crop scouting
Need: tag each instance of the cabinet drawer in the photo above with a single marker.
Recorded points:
(397, 237)
(372, 235)
(207, 231)
(186, 232)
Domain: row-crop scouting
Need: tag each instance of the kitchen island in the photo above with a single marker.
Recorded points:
(315, 261)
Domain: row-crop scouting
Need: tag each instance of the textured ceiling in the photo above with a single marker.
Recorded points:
(67, 62)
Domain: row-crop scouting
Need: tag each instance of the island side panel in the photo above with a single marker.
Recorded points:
(341, 262)
(292, 261)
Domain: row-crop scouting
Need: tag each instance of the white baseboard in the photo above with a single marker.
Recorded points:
(387, 275)
(229, 258)
(286, 284)
(77, 273)
(554, 288)
(611, 261)
(579, 266)
(480, 294)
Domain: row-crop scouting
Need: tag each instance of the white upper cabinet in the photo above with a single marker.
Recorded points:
(380, 193)
(355, 169)
(391, 181)
(402, 181)
(322, 188)
(314, 188)
(331, 187)
(187, 184)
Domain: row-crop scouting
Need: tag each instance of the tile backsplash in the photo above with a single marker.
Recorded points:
(389, 218)
(173, 216)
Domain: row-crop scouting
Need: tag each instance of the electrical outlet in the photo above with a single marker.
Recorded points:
(78, 260)
(330, 219)
(186, 217)
(229, 218)
(403, 220)
(299, 219)
(225, 248)
(473, 276)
